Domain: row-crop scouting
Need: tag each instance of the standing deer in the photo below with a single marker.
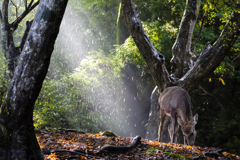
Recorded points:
(175, 102)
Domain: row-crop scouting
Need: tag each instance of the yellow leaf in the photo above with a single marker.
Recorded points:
(210, 79)
(220, 79)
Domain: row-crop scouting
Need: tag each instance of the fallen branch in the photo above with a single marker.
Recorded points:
(110, 148)
(214, 154)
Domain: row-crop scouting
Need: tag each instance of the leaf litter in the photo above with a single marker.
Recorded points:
(74, 145)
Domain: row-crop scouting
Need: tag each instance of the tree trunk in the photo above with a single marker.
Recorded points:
(122, 32)
(181, 51)
(181, 62)
(153, 58)
(16, 118)
(210, 58)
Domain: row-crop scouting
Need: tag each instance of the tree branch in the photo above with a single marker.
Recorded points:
(153, 58)
(14, 24)
(207, 62)
(24, 38)
(5, 11)
(25, 4)
(15, 7)
(30, 4)
(181, 51)
(0, 16)
(200, 30)
(207, 93)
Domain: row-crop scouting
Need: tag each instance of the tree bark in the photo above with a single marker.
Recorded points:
(17, 130)
(153, 58)
(181, 51)
(206, 63)
(122, 32)
(211, 57)
(181, 62)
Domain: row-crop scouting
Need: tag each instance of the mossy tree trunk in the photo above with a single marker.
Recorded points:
(122, 31)
(190, 74)
(18, 140)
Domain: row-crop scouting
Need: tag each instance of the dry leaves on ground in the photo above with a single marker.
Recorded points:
(72, 145)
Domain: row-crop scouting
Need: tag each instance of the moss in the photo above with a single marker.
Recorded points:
(151, 150)
(174, 155)
(109, 134)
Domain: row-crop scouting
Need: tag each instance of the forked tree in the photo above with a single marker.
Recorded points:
(18, 139)
(186, 74)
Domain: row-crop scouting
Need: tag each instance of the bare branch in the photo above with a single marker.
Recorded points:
(24, 14)
(200, 30)
(1, 16)
(207, 62)
(30, 4)
(31, 7)
(25, 1)
(16, 7)
(24, 38)
(209, 94)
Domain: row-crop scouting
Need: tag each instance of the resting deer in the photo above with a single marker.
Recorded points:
(175, 102)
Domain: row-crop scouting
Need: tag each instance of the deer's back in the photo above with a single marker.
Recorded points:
(176, 98)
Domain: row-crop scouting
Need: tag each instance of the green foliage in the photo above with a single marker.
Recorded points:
(164, 11)
(3, 81)
(16, 8)
(230, 64)
(99, 18)
(58, 107)
(218, 124)
(48, 108)
(161, 36)
(85, 80)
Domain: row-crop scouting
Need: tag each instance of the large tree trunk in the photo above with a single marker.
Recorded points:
(181, 51)
(207, 62)
(16, 118)
(181, 62)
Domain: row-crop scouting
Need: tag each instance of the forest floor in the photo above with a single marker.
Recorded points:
(76, 145)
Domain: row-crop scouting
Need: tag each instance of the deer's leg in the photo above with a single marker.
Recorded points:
(162, 118)
(176, 133)
(171, 127)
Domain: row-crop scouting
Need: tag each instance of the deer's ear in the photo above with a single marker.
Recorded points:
(180, 122)
(195, 119)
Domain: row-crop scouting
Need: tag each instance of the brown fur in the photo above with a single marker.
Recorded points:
(175, 102)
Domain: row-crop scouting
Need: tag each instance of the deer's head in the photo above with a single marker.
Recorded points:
(188, 129)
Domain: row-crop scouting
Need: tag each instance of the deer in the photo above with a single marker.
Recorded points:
(176, 103)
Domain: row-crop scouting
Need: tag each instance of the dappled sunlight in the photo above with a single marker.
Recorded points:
(93, 81)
